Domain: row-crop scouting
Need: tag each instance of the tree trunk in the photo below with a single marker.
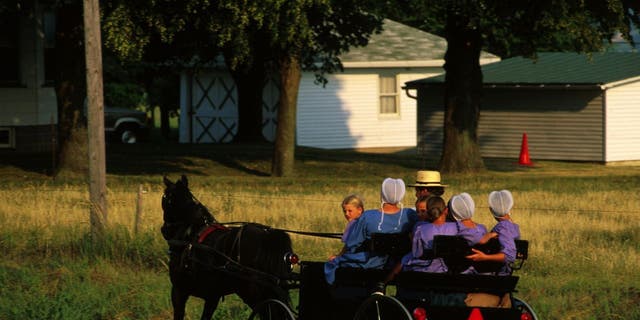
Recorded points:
(284, 149)
(463, 89)
(70, 91)
(250, 84)
(95, 112)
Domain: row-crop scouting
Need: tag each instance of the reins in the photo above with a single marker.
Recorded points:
(304, 233)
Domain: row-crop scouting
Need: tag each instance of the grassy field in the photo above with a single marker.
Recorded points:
(582, 221)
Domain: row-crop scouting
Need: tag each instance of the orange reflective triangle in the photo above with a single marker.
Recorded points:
(475, 315)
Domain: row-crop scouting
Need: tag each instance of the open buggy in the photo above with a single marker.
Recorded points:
(209, 259)
(356, 292)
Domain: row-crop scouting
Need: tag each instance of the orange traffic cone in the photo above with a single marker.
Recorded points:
(475, 315)
(524, 152)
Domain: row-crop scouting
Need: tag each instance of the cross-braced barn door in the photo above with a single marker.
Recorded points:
(215, 108)
(270, 98)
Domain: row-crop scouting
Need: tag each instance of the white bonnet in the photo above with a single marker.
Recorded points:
(500, 203)
(392, 190)
(461, 206)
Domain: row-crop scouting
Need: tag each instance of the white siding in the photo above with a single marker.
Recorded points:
(622, 133)
(344, 114)
(28, 106)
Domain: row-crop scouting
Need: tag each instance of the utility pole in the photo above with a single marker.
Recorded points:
(95, 117)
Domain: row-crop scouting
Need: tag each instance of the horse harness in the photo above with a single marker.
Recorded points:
(231, 265)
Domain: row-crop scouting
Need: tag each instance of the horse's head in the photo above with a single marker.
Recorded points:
(180, 209)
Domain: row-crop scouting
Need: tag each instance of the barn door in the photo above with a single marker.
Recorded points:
(215, 109)
(270, 98)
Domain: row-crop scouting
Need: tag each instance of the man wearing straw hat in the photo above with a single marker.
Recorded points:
(428, 183)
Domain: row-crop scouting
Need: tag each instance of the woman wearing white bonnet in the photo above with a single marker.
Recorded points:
(507, 231)
(391, 217)
(500, 203)
(461, 208)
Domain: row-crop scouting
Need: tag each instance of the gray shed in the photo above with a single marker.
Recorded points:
(571, 106)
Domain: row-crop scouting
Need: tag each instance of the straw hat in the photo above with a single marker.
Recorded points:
(426, 178)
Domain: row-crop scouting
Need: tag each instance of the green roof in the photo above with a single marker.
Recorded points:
(557, 68)
(399, 42)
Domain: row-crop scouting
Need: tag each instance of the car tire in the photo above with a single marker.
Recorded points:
(128, 134)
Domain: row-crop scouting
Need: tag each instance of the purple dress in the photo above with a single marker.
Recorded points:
(507, 232)
(423, 240)
(472, 235)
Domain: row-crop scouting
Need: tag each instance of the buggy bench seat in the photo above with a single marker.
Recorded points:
(425, 281)
(348, 276)
(454, 249)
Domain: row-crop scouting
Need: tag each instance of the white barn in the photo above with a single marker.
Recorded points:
(571, 106)
(362, 107)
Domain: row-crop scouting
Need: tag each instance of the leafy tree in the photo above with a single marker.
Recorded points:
(255, 38)
(508, 29)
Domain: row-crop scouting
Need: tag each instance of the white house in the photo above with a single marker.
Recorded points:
(362, 107)
(571, 106)
(28, 107)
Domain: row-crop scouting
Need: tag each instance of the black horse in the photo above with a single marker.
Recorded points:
(210, 260)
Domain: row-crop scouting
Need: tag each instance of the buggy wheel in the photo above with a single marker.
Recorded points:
(379, 306)
(272, 309)
(525, 309)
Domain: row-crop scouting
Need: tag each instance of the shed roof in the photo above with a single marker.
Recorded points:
(558, 68)
(401, 45)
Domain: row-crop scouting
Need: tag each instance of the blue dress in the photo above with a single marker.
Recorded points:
(371, 221)
(347, 230)
(423, 240)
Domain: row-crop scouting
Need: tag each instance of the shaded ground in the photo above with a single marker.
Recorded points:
(157, 158)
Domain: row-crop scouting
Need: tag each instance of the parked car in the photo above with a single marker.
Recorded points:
(126, 125)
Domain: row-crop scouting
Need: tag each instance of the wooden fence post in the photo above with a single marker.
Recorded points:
(136, 224)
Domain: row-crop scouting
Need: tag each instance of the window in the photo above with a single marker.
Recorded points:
(388, 95)
(7, 139)
(9, 51)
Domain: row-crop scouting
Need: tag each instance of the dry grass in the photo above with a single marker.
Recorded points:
(582, 220)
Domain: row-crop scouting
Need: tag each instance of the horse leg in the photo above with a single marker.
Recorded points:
(210, 306)
(179, 302)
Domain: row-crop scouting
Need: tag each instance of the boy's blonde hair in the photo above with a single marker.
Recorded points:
(354, 200)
